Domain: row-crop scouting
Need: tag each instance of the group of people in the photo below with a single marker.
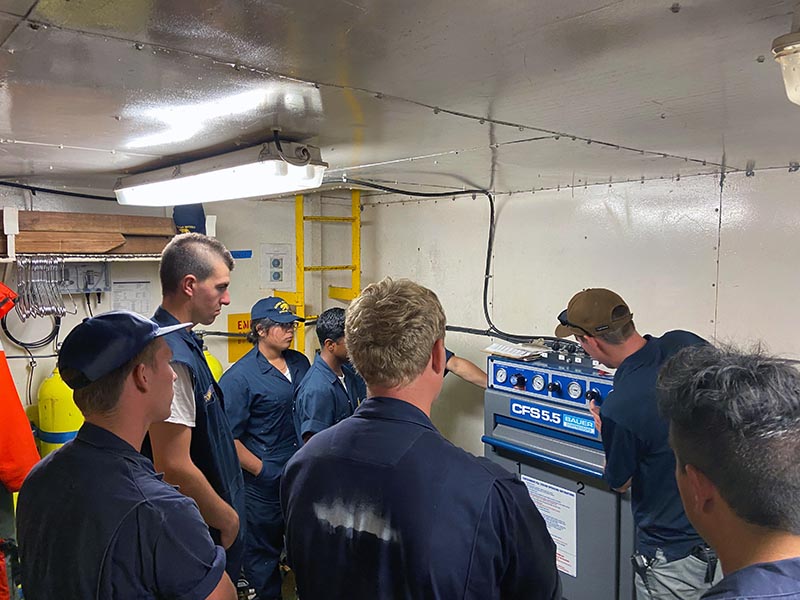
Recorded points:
(224, 445)
(382, 505)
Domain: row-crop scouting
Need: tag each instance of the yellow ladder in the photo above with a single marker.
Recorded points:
(298, 298)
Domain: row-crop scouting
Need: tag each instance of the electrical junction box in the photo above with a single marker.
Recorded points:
(86, 278)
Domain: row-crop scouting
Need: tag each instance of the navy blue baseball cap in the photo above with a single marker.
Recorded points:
(275, 309)
(103, 343)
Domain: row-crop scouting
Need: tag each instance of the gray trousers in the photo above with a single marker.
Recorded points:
(682, 579)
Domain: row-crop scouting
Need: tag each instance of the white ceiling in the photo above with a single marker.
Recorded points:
(434, 93)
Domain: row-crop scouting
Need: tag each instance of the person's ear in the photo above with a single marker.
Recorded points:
(702, 491)
(140, 377)
(438, 357)
(188, 284)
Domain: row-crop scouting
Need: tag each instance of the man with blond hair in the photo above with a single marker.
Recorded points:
(382, 506)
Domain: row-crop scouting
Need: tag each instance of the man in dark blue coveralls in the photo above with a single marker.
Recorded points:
(735, 428)
(382, 506)
(328, 392)
(95, 521)
(194, 446)
(672, 561)
(259, 390)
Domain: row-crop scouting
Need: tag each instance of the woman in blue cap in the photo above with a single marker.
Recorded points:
(258, 390)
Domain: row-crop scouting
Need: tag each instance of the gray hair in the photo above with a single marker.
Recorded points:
(735, 416)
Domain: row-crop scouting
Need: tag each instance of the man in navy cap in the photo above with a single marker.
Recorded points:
(259, 389)
(382, 506)
(329, 392)
(94, 518)
(194, 446)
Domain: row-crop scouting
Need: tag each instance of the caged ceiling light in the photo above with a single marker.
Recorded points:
(269, 169)
(786, 50)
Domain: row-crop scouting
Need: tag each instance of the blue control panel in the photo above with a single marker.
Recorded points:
(572, 384)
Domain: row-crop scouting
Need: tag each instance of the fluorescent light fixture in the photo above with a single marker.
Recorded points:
(267, 170)
(786, 50)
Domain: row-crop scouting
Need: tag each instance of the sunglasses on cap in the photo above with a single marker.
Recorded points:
(562, 318)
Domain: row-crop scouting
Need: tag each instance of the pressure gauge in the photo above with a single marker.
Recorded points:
(501, 375)
(575, 390)
(537, 383)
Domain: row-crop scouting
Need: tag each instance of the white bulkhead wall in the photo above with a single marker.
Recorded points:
(658, 244)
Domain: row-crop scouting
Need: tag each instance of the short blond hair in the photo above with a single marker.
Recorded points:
(390, 330)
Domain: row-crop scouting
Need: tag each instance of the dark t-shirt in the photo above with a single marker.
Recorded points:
(773, 580)
(382, 506)
(636, 443)
(95, 521)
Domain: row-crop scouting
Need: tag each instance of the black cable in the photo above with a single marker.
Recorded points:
(201, 333)
(53, 335)
(34, 189)
(301, 161)
(29, 386)
(88, 304)
(493, 330)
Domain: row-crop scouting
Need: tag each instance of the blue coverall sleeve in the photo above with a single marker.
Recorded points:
(315, 407)
(237, 396)
(187, 564)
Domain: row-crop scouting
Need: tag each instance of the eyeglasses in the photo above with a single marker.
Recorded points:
(562, 318)
(288, 326)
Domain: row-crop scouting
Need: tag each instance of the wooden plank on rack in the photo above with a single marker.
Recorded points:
(142, 244)
(67, 242)
(95, 223)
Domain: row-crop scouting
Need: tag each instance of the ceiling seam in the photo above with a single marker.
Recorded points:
(20, 19)
(534, 191)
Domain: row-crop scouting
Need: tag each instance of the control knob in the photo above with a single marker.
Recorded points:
(517, 381)
(593, 395)
(554, 387)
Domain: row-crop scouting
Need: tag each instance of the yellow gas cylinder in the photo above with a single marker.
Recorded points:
(59, 418)
(213, 364)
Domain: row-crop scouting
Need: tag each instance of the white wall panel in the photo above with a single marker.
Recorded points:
(759, 282)
(654, 243)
